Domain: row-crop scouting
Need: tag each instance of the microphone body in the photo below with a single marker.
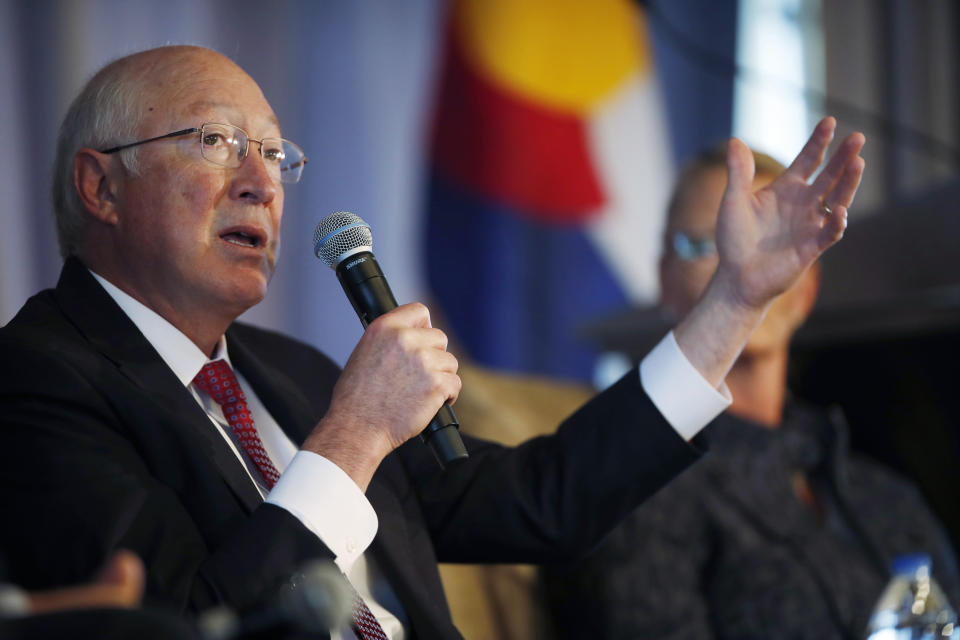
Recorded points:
(366, 287)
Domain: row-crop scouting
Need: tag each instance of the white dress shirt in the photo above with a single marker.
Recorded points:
(312, 488)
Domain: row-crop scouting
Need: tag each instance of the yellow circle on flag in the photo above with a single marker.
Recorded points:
(568, 54)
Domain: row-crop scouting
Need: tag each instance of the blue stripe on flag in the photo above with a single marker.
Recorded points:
(514, 291)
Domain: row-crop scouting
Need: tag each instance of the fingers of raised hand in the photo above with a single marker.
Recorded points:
(838, 187)
(813, 151)
(833, 227)
(838, 162)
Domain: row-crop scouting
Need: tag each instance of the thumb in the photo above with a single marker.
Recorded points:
(124, 569)
(740, 167)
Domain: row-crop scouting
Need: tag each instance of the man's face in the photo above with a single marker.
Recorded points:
(191, 233)
(683, 279)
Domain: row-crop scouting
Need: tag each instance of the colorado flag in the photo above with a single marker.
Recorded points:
(550, 173)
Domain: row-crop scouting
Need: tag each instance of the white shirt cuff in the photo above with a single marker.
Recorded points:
(678, 391)
(329, 503)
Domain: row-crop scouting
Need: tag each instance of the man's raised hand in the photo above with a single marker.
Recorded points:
(768, 238)
(765, 241)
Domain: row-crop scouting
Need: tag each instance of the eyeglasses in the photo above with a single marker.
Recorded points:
(227, 146)
(689, 248)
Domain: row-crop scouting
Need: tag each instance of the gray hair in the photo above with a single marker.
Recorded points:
(106, 113)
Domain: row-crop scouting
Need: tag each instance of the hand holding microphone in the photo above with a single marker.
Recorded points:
(400, 370)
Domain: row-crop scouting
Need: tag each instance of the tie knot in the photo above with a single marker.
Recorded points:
(218, 381)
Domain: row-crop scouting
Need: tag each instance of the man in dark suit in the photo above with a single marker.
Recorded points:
(136, 413)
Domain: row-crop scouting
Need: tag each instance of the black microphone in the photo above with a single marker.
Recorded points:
(344, 241)
(317, 599)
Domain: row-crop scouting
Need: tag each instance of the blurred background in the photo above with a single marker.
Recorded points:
(514, 160)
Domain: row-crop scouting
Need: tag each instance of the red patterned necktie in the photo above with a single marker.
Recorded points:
(365, 625)
(217, 380)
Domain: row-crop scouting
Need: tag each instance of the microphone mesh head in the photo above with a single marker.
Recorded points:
(339, 233)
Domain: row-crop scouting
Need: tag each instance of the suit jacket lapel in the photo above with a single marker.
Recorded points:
(113, 334)
(276, 390)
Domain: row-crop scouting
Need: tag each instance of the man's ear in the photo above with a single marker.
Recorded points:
(95, 184)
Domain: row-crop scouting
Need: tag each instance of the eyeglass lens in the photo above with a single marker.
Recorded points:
(227, 145)
(689, 247)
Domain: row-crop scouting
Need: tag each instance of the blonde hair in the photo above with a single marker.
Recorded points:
(715, 158)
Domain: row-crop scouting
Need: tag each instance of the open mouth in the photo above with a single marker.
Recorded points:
(243, 238)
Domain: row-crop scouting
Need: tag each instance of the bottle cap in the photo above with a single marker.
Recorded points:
(910, 563)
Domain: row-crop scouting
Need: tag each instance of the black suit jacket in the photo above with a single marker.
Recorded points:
(104, 448)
